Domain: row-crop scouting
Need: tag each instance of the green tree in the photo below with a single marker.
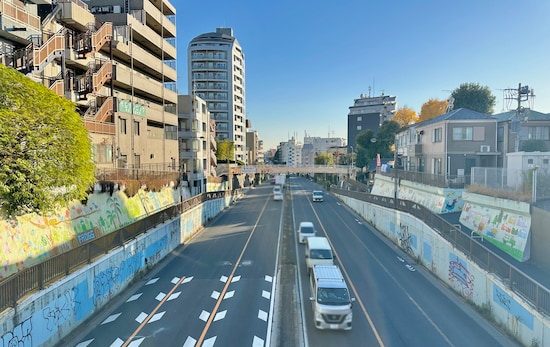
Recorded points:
(225, 150)
(370, 144)
(474, 97)
(324, 159)
(45, 150)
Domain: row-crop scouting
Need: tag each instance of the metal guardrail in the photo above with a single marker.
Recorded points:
(531, 290)
(37, 277)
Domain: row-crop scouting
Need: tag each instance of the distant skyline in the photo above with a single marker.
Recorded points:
(306, 61)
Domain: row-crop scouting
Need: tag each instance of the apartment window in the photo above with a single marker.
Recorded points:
(539, 133)
(437, 164)
(171, 132)
(136, 128)
(122, 125)
(436, 135)
(530, 161)
(360, 119)
(359, 128)
(462, 134)
(545, 161)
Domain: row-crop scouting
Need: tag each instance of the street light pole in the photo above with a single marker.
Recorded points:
(396, 146)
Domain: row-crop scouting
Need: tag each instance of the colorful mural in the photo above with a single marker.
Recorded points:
(505, 228)
(31, 238)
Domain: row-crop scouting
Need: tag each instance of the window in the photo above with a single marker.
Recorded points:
(436, 135)
(359, 119)
(136, 128)
(122, 125)
(359, 128)
(437, 166)
(539, 133)
(462, 134)
(545, 161)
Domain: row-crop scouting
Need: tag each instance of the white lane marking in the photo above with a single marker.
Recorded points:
(134, 297)
(257, 342)
(229, 295)
(268, 278)
(204, 315)
(156, 317)
(160, 296)
(175, 280)
(117, 343)
(410, 267)
(190, 342)
(136, 343)
(84, 343)
(209, 342)
(141, 317)
(220, 315)
(338, 204)
(223, 279)
(174, 296)
(235, 279)
(266, 294)
(111, 318)
(187, 280)
(246, 262)
(215, 295)
(262, 315)
(401, 259)
(153, 281)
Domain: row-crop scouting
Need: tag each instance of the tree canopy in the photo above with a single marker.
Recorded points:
(405, 116)
(225, 150)
(324, 159)
(432, 108)
(474, 97)
(45, 151)
(371, 144)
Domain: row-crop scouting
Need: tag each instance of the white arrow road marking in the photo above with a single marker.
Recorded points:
(174, 296)
(187, 280)
(160, 296)
(410, 267)
(190, 342)
(215, 295)
(220, 315)
(268, 278)
(152, 281)
(257, 342)
(136, 343)
(111, 318)
(262, 315)
(235, 279)
(134, 297)
(204, 315)
(223, 279)
(229, 295)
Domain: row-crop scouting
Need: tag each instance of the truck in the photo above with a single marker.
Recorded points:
(280, 180)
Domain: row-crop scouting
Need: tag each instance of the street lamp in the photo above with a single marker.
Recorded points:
(351, 162)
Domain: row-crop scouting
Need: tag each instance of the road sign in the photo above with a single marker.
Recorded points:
(249, 170)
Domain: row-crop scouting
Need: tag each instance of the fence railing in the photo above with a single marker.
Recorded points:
(37, 277)
(531, 290)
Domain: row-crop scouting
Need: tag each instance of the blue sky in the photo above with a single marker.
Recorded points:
(306, 61)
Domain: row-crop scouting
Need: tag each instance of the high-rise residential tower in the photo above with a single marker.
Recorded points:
(217, 75)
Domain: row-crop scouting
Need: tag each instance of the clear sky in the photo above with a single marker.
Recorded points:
(306, 60)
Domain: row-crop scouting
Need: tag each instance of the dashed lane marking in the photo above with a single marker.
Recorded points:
(111, 318)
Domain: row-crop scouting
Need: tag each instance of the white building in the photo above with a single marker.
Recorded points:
(217, 75)
(197, 146)
(291, 152)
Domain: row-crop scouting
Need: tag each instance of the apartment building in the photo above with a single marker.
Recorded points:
(196, 135)
(254, 148)
(216, 68)
(115, 60)
(368, 113)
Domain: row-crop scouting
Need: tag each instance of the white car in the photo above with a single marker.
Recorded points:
(277, 195)
(317, 195)
(305, 230)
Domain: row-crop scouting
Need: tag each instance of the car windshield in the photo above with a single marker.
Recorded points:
(320, 254)
(307, 230)
(333, 296)
(318, 193)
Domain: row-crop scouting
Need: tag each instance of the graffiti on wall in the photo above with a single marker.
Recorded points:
(510, 305)
(460, 276)
(20, 336)
(32, 238)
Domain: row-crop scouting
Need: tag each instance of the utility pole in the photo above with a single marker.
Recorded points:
(520, 95)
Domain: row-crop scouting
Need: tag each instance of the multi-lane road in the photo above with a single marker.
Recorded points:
(220, 288)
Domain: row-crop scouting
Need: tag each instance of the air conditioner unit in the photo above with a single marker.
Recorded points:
(485, 148)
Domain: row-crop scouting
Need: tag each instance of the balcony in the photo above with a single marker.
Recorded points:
(75, 13)
(414, 150)
(156, 19)
(17, 20)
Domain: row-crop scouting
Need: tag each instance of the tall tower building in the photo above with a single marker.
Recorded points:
(217, 75)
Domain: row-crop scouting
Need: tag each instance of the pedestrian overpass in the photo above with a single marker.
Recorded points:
(284, 169)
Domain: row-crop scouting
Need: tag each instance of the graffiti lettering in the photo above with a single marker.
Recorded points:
(20, 336)
(458, 273)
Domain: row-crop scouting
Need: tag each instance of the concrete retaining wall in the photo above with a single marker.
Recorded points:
(45, 317)
(457, 271)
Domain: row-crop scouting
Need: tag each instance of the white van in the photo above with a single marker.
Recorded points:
(305, 230)
(331, 301)
(318, 252)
